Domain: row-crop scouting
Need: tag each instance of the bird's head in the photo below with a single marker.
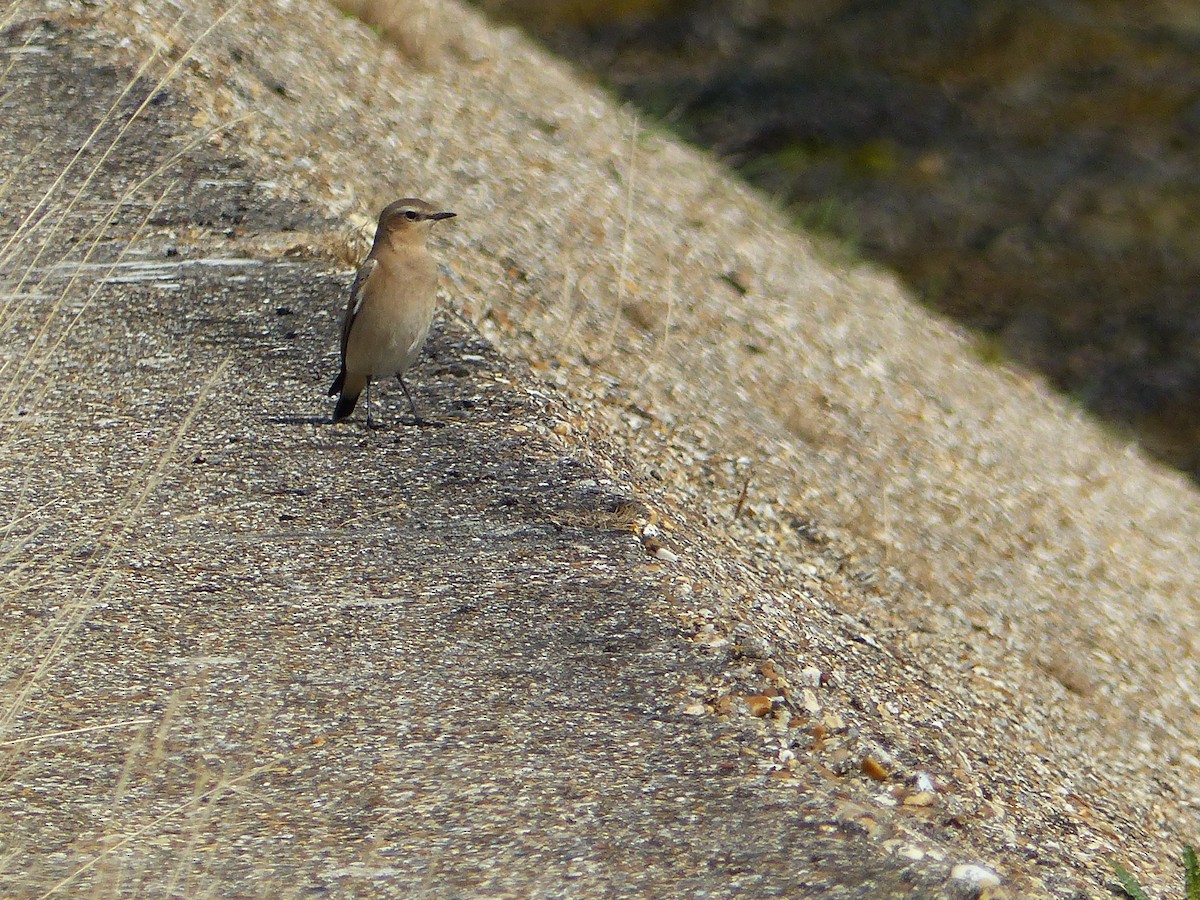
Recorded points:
(408, 220)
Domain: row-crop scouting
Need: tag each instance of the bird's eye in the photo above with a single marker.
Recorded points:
(411, 215)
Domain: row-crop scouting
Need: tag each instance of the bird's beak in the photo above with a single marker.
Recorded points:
(442, 215)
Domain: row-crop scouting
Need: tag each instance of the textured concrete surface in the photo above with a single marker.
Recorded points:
(723, 522)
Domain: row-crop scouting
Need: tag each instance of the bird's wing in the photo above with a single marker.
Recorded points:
(358, 291)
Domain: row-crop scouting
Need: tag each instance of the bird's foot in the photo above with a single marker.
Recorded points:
(422, 422)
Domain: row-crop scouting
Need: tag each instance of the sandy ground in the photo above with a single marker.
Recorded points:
(966, 609)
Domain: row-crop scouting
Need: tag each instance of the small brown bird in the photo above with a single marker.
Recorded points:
(391, 305)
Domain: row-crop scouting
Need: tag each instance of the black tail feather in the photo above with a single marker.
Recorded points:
(345, 406)
(336, 387)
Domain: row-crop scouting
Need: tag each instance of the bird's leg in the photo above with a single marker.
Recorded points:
(417, 418)
(411, 403)
(370, 419)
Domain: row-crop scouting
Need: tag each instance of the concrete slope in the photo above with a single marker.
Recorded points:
(747, 578)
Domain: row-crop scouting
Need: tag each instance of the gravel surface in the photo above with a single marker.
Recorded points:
(728, 572)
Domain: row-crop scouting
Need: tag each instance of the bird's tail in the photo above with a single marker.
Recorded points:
(350, 387)
(345, 406)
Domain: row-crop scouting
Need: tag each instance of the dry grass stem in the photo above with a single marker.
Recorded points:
(626, 241)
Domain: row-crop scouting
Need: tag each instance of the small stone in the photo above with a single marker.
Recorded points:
(811, 705)
(562, 429)
(759, 704)
(925, 782)
(872, 768)
(980, 876)
(921, 798)
(695, 709)
(751, 643)
(810, 676)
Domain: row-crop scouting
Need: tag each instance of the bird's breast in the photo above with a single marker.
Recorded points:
(398, 305)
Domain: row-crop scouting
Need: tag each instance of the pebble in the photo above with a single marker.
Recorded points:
(872, 768)
(754, 645)
(811, 676)
(980, 876)
(925, 783)
(759, 704)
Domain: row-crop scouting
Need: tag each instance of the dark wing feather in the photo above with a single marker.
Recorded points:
(354, 303)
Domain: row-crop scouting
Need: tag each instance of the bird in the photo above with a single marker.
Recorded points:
(390, 307)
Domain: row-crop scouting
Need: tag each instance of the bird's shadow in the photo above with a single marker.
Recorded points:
(298, 420)
(402, 421)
